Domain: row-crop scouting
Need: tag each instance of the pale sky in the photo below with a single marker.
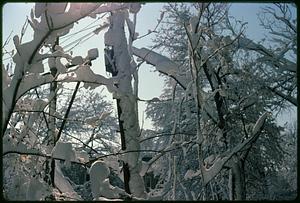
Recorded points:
(150, 83)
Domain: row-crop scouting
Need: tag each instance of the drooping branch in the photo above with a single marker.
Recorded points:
(281, 62)
(32, 81)
(162, 64)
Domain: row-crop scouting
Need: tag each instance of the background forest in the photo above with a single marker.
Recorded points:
(70, 133)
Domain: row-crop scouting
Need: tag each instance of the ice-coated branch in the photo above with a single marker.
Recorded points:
(281, 62)
(162, 64)
(33, 80)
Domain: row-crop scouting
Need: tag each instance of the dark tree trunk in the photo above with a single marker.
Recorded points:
(237, 181)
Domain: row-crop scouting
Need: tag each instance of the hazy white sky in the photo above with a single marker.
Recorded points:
(150, 83)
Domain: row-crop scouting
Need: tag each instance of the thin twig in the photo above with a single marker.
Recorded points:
(67, 112)
(44, 115)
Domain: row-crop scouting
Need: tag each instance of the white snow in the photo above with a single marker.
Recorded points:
(162, 63)
(19, 185)
(77, 60)
(220, 160)
(108, 7)
(51, 62)
(100, 183)
(82, 156)
(93, 54)
(109, 38)
(98, 173)
(92, 121)
(259, 123)
(6, 80)
(107, 199)
(113, 163)
(16, 40)
(193, 22)
(30, 81)
(144, 168)
(191, 174)
(62, 184)
(58, 48)
(36, 68)
(40, 104)
(61, 68)
(56, 8)
(83, 73)
(246, 43)
(209, 160)
(64, 151)
(102, 27)
(134, 7)
(39, 8)
(130, 25)
(37, 190)
(8, 143)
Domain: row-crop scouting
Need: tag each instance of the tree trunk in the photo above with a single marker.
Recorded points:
(230, 181)
(126, 171)
(52, 121)
(116, 38)
(237, 181)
